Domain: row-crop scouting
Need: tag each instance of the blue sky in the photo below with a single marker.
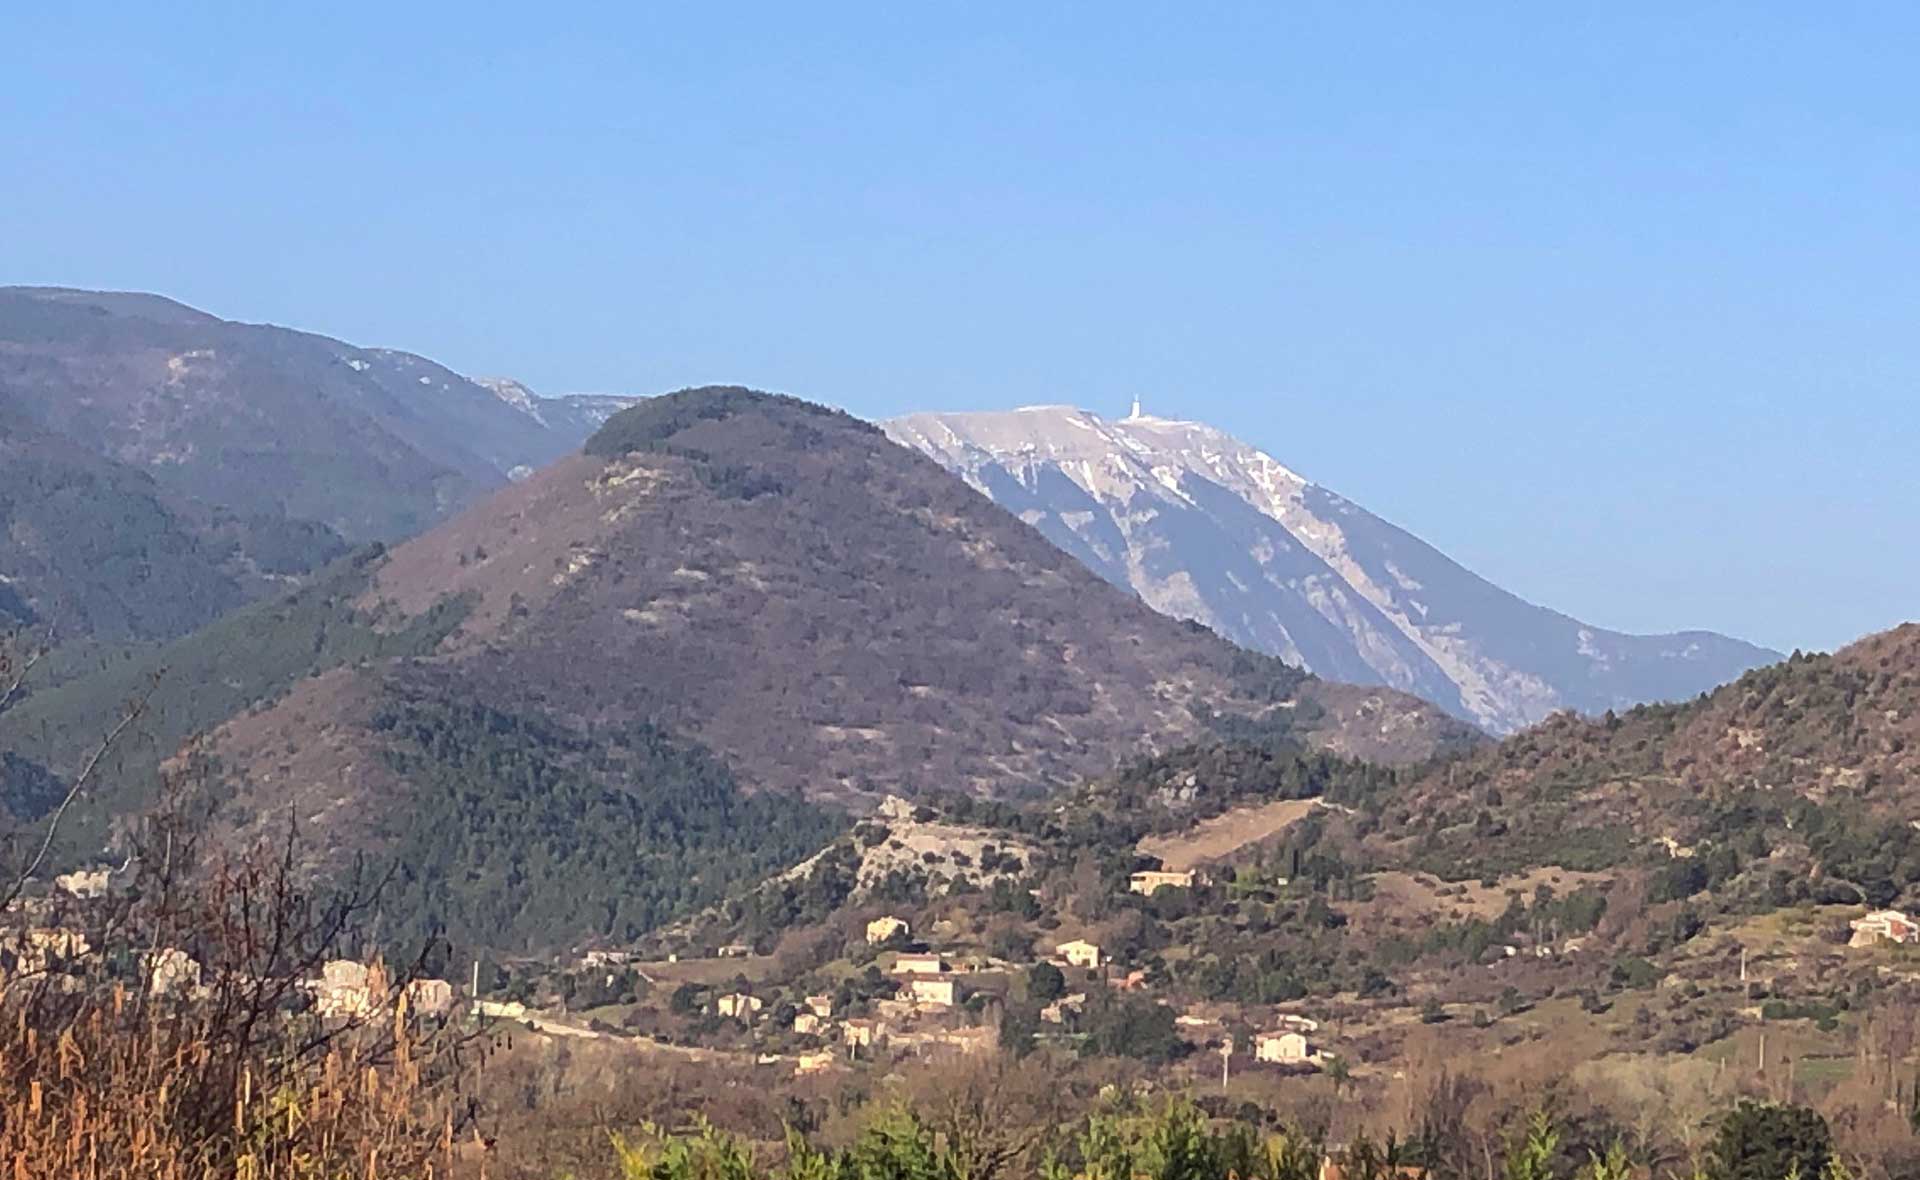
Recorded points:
(1619, 303)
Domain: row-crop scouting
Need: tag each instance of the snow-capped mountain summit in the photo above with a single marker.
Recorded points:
(1205, 527)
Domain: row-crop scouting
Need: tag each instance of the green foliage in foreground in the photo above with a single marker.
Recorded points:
(1761, 1141)
(1174, 1142)
(1124, 1025)
(1177, 1141)
(519, 834)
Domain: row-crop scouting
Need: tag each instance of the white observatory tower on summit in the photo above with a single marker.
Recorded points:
(1136, 408)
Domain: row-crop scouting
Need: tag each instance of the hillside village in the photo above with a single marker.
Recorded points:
(912, 997)
(936, 973)
(1286, 930)
(1228, 909)
(66, 937)
(1071, 947)
(878, 682)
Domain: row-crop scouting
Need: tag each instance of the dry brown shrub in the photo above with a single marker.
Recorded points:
(110, 1070)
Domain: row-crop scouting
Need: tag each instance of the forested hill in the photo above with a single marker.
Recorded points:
(731, 608)
(90, 547)
(1816, 757)
(833, 612)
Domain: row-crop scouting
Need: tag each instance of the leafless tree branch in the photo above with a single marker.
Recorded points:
(18, 680)
(79, 784)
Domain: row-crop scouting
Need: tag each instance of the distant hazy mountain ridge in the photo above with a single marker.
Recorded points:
(159, 465)
(1205, 527)
(375, 443)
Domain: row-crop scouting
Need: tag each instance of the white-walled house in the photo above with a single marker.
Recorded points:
(1080, 953)
(1288, 1047)
(921, 964)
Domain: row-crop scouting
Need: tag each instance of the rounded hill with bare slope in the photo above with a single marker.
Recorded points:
(729, 610)
(834, 613)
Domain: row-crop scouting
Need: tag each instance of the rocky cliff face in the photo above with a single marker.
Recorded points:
(1205, 527)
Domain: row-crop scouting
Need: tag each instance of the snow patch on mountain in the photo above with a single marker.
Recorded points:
(565, 420)
(514, 394)
(1204, 526)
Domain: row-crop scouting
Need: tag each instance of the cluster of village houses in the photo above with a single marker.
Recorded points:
(350, 990)
(1287, 1043)
(43, 951)
(343, 989)
(929, 983)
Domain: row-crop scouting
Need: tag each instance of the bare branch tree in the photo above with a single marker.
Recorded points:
(14, 673)
(25, 873)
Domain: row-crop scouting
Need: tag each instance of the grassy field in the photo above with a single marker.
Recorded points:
(1226, 833)
(1417, 895)
(707, 972)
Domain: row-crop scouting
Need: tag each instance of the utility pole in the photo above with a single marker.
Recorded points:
(1226, 1061)
(1763, 1052)
(473, 992)
(1743, 964)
